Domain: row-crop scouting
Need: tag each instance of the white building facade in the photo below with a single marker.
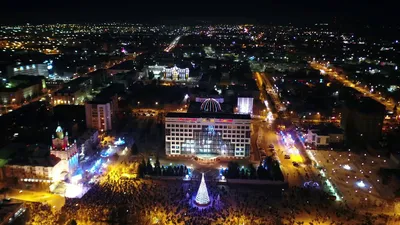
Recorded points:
(99, 116)
(319, 138)
(64, 164)
(168, 73)
(245, 105)
(202, 134)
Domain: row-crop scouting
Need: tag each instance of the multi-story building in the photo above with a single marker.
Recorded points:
(209, 133)
(67, 152)
(29, 70)
(101, 111)
(99, 115)
(37, 166)
(324, 135)
(245, 105)
(168, 73)
(176, 74)
(73, 92)
(21, 88)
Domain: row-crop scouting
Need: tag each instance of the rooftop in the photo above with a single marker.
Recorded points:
(73, 85)
(21, 154)
(209, 115)
(366, 105)
(9, 209)
(127, 65)
(326, 129)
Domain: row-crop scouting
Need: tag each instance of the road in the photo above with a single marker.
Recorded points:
(173, 44)
(263, 81)
(296, 176)
(343, 79)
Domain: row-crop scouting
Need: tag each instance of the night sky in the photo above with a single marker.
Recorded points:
(238, 11)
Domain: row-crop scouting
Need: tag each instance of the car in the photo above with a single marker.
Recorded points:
(287, 156)
(295, 164)
(271, 146)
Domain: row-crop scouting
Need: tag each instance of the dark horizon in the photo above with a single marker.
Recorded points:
(174, 13)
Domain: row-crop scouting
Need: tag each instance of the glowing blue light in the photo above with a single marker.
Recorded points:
(96, 166)
(361, 184)
(106, 153)
(346, 167)
(119, 142)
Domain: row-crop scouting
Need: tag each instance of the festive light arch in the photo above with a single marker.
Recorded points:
(210, 105)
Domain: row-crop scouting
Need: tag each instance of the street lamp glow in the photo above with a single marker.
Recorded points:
(346, 167)
(361, 184)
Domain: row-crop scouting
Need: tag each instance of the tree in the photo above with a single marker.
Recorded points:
(233, 170)
(134, 149)
(72, 222)
(242, 173)
(142, 168)
(261, 172)
(180, 173)
(157, 167)
(151, 75)
(252, 171)
(162, 171)
(149, 167)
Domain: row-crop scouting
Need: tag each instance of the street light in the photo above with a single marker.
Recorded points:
(156, 103)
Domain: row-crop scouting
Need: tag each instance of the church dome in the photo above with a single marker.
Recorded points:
(210, 105)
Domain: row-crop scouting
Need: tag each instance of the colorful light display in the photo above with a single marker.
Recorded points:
(202, 198)
(119, 142)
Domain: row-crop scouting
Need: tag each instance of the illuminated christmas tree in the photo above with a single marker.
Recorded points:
(202, 197)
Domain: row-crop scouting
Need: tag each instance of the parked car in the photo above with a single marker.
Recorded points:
(287, 156)
(296, 164)
(271, 146)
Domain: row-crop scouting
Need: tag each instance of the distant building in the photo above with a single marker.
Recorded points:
(168, 73)
(21, 88)
(362, 119)
(73, 92)
(176, 74)
(156, 70)
(123, 67)
(29, 70)
(245, 105)
(324, 135)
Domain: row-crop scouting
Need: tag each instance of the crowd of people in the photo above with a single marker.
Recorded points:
(120, 200)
